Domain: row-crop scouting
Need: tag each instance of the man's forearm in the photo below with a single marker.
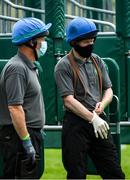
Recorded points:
(107, 97)
(76, 107)
(18, 120)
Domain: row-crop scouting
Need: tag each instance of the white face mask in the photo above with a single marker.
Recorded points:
(42, 50)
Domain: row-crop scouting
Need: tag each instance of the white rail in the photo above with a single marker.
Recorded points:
(125, 123)
(101, 23)
(96, 21)
(24, 8)
(92, 8)
(8, 18)
(59, 127)
(52, 127)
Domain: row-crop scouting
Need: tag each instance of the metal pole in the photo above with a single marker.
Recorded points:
(55, 13)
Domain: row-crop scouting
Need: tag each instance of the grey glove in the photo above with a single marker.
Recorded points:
(100, 126)
(29, 149)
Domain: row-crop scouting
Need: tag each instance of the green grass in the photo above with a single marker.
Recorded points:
(54, 168)
(125, 160)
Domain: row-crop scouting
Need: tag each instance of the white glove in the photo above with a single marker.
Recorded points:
(100, 126)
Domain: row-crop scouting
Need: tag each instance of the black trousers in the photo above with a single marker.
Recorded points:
(78, 141)
(11, 147)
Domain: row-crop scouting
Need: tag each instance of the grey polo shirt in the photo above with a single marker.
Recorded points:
(19, 85)
(64, 80)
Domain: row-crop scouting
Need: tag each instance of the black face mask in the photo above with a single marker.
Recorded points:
(85, 51)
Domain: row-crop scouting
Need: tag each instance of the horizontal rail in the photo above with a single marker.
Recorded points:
(8, 18)
(92, 8)
(107, 33)
(59, 127)
(125, 123)
(99, 33)
(73, 1)
(96, 21)
(23, 7)
(5, 34)
(52, 127)
(105, 23)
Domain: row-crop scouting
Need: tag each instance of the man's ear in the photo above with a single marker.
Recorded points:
(73, 43)
(33, 43)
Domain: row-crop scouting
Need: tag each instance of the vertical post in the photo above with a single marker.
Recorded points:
(123, 31)
(123, 18)
(55, 13)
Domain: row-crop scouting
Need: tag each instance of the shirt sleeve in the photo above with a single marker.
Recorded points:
(15, 89)
(64, 82)
(106, 82)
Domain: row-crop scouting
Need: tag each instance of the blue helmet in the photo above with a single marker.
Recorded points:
(80, 28)
(27, 28)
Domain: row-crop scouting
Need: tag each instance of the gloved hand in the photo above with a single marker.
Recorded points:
(100, 126)
(30, 151)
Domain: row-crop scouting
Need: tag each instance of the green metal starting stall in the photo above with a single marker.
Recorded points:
(112, 44)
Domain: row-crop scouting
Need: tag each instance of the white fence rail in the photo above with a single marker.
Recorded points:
(11, 12)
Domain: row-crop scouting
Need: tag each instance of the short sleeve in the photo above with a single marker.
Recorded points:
(15, 89)
(106, 82)
(64, 82)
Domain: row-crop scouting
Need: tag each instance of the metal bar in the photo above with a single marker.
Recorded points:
(122, 123)
(68, 16)
(107, 33)
(8, 18)
(96, 21)
(8, 14)
(90, 14)
(117, 107)
(100, 33)
(92, 8)
(52, 127)
(23, 7)
(3, 12)
(118, 124)
(99, 25)
(16, 13)
(125, 123)
(5, 34)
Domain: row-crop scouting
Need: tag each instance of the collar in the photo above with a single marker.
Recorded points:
(27, 61)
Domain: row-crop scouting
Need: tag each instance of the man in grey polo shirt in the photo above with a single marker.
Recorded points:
(81, 78)
(22, 113)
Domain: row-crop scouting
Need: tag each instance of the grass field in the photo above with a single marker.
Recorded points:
(54, 168)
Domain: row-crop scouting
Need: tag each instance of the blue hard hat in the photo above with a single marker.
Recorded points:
(80, 28)
(27, 28)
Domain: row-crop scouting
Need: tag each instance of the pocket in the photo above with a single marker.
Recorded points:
(7, 133)
(25, 169)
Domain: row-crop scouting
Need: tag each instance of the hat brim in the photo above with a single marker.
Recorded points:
(87, 36)
(47, 26)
